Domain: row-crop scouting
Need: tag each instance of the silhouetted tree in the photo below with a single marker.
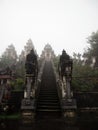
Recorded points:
(91, 54)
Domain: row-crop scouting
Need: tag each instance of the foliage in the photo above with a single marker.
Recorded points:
(92, 50)
(83, 76)
(82, 66)
(18, 84)
(20, 69)
(82, 84)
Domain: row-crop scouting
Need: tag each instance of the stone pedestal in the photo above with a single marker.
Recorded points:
(69, 108)
(68, 104)
(28, 104)
(28, 110)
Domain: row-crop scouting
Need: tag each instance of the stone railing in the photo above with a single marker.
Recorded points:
(37, 88)
(68, 103)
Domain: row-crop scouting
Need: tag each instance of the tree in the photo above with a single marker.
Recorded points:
(92, 52)
(81, 72)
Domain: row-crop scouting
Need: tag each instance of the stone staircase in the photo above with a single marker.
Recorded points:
(48, 101)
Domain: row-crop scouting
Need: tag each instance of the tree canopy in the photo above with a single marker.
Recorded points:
(92, 52)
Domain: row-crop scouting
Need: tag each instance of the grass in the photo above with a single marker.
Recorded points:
(14, 116)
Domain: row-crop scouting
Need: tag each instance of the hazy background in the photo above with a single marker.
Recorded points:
(65, 24)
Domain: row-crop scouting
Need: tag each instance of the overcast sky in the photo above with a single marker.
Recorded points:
(64, 24)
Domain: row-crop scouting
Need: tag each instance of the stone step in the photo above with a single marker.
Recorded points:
(48, 110)
(49, 103)
(48, 93)
(48, 96)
